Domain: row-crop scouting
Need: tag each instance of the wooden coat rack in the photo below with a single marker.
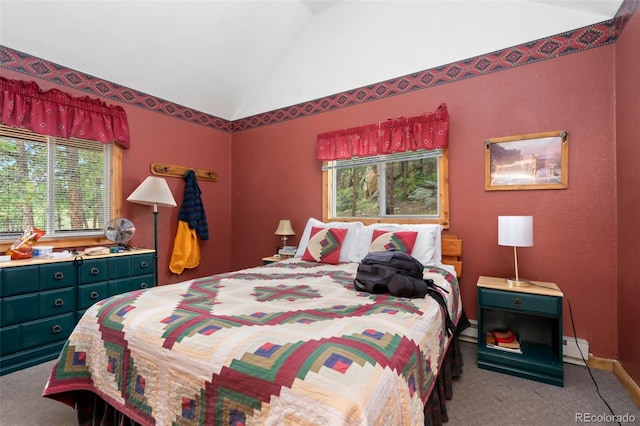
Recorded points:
(172, 170)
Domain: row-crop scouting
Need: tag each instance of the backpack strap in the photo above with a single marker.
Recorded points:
(432, 290)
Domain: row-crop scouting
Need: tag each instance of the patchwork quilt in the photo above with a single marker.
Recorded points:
(292, 342)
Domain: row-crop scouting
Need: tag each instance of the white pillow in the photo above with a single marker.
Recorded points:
(428, 246)
(350, 249)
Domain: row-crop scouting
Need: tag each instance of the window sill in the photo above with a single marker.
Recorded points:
(64, 243)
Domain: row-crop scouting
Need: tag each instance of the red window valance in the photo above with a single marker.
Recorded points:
(427, 131)
(55, 113)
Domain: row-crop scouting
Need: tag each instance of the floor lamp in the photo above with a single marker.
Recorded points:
(153, 191)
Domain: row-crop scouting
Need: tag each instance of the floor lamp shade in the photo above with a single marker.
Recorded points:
(153, 191)
(515, 231)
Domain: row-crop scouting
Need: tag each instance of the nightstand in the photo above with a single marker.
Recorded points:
(534, 314)
(270, 259)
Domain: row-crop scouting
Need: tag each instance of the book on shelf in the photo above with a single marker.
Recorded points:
(287, 251)
(503, 340)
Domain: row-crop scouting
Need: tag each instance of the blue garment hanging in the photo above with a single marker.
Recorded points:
(192, 210)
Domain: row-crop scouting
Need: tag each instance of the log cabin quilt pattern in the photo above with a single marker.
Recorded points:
(287, 343)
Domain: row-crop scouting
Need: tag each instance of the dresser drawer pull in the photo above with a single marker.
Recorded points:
(517, 302)
(58, 275)
(94, 295)
(58, 302)
(56, 329)
(143, 285)
(144, 265)
(94, 271)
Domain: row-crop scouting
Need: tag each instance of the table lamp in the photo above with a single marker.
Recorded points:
(515, 231)
(284, 229)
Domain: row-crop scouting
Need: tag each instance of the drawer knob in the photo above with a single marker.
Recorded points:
(517, 302)
(94, 295)
(144, 265)
(94, 271)
(58, 275)
(58, 302)
(143, 285)
(56, 329)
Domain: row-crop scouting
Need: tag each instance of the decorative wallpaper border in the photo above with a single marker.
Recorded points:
(566, 43)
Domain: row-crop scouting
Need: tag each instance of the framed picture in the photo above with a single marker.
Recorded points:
(535, 161)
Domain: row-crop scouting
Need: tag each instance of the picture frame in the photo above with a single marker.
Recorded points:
(532, 161)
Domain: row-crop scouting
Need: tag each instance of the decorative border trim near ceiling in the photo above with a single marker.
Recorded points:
(32, 66)
(566, 43)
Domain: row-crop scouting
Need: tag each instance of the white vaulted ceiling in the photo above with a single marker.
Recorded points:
(236, 58)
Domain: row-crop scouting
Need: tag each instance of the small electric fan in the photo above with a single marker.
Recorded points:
(120, 230)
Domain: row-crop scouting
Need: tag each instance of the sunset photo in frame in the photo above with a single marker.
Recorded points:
(534, 161)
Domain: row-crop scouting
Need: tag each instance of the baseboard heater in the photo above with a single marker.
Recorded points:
(570, 349)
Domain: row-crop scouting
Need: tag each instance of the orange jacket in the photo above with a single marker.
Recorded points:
(186, 249)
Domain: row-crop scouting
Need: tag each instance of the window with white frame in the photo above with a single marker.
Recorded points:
(61, 186)
(401, 187)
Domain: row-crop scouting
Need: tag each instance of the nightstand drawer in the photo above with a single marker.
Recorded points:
(523, 302)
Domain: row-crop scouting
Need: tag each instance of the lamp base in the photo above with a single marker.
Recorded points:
(512, 282)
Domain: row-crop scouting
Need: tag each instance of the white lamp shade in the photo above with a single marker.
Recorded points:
(153, 191)
(285, 228)
(515, 231)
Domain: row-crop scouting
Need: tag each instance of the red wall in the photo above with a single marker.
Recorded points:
(270, 173)
(628, 173)
(275, 176)
(159, 138)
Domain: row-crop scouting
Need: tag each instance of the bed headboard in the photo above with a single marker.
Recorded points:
(452, 252)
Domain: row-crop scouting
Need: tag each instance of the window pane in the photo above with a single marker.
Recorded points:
(60, 186)
(79, 189)
(412, 187)
(357, 192)
(23, 173)
(408, 187)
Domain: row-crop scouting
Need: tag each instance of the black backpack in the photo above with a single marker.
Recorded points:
(378, 269)
(399, 274)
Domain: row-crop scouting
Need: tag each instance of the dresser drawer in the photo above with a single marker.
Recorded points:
(57, 275)
(89, 294)
(523, 302)
(9, 339)
(20, 308)
(20, 280)
(93, 270)
(40, 332)
(119, 267)
(130, 284)
(56, 302)
(142, 264)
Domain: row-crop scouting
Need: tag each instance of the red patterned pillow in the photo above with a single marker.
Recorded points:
(324, 245)
(398, 241)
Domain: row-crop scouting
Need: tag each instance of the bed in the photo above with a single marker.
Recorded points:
(291, 342)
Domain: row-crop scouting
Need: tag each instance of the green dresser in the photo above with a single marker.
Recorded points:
(42, 300)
